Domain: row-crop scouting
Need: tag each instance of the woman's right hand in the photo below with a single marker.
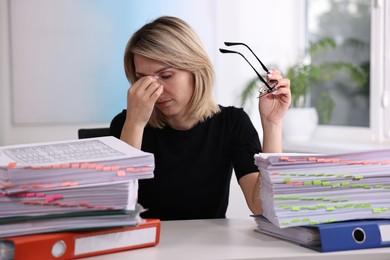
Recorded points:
(141, 97)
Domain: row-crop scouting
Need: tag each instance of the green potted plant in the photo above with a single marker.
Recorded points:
(304, 76)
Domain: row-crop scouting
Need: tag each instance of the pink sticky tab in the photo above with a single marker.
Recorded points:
(130, 169)
(121, 173)
(84, 166)
(107, 168)
(115, 167)
(65, 165)
(275, 173)
(99, 167)
(92, 166)
(284, 158)
(30, 194)
(312, 159)
(75, 165)
(11, 165)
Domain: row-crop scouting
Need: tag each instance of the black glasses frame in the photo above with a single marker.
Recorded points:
(271, 86)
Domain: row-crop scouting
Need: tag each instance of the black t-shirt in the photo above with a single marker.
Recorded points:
(193, 168)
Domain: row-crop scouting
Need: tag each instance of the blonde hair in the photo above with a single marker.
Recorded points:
(172, 41)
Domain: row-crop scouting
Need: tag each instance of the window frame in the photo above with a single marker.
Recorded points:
(330, 138)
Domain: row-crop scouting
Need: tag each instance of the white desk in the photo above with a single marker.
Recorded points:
(229, 239)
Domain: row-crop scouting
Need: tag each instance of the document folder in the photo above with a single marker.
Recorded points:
(329, 237)
(73, 245)
(349, 235)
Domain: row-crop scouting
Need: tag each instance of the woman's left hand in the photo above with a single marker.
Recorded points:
(273, 106)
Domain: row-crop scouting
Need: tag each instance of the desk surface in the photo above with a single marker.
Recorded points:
(230, 239)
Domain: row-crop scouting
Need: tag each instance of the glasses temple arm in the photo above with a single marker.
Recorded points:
(258, 75)
(240, 43)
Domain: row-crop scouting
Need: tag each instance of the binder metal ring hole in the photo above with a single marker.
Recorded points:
(58, 249)
(358, 235)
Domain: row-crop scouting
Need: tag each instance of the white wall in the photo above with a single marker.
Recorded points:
(272, 28)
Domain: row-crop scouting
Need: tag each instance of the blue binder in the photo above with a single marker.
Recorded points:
(349, 235)
(329, 237)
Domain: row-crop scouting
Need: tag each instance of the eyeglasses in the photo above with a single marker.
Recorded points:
(268, 87)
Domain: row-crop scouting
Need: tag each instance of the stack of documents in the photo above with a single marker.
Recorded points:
(77, 184)
(304, 190)
(71, 163)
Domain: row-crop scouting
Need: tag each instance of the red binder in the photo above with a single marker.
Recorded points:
(73, 245)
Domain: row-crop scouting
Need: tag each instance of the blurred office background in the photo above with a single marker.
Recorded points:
(61, 63)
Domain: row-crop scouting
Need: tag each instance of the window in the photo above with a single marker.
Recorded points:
(351, 110)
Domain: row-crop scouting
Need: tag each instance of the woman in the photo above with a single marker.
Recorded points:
(171, 112)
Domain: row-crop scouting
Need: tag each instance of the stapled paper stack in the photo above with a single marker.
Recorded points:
(77, 184)
(71, 163)
(304, 190)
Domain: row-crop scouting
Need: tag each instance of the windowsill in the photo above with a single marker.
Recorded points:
(330, 147)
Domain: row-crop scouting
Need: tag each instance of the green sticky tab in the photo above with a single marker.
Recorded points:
(295, 220)
(378, 186)
(307, 183)
(384, 209)
(312, 207)
(376, 210)
(336, 185)
(295, 208)
(285, 180)
(285, 223)
(325, 183)
(340, 176)
(330, 208)
(314, 222)
(329, 175)
(320, 205)
(319, 198)
(358, 177)
(339, 206)
(306, 220)
(345, 183)
(320, 174)
(317, 182)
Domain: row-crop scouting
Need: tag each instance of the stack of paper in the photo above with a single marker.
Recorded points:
(71, 163)
(301, 190)
(78, 184)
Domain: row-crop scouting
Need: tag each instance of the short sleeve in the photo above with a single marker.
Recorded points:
(245, 144)
(117, 123)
